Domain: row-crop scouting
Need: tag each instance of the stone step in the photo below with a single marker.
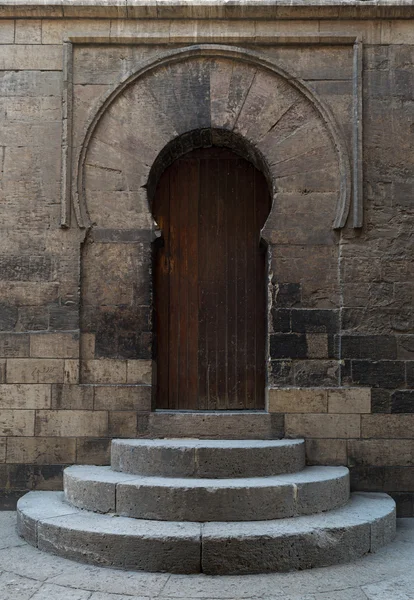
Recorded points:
(313, 490)
(365, 524)
(207, 458)
(224, 425)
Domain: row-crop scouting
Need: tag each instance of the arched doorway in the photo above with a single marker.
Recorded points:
(210, 283)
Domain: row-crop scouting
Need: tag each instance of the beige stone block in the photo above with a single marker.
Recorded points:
(265, 29)
(87, 346)
(34, 370)
(54, 345)
(317, 345)
(7, 31)
(131, 397)
(32, 396)
(71, 423)
(381, 453)
(31, 57)
(213, 31)
(41, 451)
(72, 397)
(56, 31)
(29, 294)
(108, 274)
(104, 371)
(298, 400)
(3, 441)
(29, 109)
(94, 451)
(349, 400)
(368, 31)
(122, 424)
(322, 426)
(28, 31)
(14, 345)
(386, 426)
(139, 371)
(17, 422)
(402, 32)
(72, 371)
(326, 452)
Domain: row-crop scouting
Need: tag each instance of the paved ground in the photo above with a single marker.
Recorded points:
(28, 574)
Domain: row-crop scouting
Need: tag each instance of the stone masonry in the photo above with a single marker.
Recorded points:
(90, 95)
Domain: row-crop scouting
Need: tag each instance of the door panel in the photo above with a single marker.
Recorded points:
(210, 283)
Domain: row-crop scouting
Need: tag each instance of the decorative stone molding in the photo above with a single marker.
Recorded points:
(303, 110)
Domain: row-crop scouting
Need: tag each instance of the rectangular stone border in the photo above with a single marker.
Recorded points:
(322, 39)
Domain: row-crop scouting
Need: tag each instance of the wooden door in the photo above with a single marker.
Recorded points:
(210, 283)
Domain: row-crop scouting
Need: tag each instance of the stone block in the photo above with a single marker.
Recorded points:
(93, 451)
(87, 487)
(296, 400)
(315, 321)
(21, 396)
(45, 451)
(323, 426)
(288, 345)
(386, 374)
(380, 401)
(139, 371)
(7, 31)
(57, 30)
(349, 400)
(87, 346)
(122, 424)
(72, 397)
(3, 442)
(380, 453)
(317, 372)
(54, 345)
(2, 370)
(28, 31)
(326, 452)
(116, 397)
(402, 401)
(374, 347)
(71, 423)
(387, 426)
(17, 422)
(24, 294)
(71, 371)
(14, 345)
(31, 57)
(318, 345)
(35, 370)
(30, 83)
(104, 371)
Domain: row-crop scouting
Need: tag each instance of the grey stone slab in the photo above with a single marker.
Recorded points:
(27, 561)
(396, 589)
(212, 425)
(112, 582)
(13, 587)
(122, 543)
(91, 487)
(36, 506)
(208, 458)
(9, 536)
(50, 591)
(290, 544)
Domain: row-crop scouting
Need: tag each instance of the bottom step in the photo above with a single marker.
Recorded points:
(365, 524)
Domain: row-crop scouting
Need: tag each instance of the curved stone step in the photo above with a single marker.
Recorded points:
(315, 489)
(365, 524)
(207, 458)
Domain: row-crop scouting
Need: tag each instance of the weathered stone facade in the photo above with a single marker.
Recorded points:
(319, 97)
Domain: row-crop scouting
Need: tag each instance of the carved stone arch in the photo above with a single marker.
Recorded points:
(203, 87)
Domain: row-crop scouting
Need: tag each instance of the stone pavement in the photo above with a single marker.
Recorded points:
(28, 574)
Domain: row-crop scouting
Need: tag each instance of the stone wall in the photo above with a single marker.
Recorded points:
(89, 96)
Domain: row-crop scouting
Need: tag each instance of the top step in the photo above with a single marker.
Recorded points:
(216, 425)
(216, 459)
